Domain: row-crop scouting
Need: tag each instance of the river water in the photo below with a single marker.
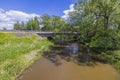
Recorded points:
(56, 66)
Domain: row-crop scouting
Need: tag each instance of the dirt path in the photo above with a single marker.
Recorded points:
(44, 69)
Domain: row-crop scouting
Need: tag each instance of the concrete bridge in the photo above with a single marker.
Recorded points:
(41, 33)
(47, 34)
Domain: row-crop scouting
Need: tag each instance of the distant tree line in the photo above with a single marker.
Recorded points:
(32, 24)
(42, 23)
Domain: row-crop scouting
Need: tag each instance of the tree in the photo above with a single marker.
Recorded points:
(4, 28)
(17, 26)
(106, 9)
(96, 23)
(46, 21)
(33, 24)
(23, 25)
(58, 24)
(52, 23)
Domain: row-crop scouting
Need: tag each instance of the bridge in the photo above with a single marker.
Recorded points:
(41, 33)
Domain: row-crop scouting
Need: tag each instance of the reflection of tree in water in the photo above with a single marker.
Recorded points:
(72, 52)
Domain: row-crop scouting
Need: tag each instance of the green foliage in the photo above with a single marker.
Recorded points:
(4, 37)
(97, 24)
(19, 26)
(52, 23)
(46, 23)
(106, 40)
(113, 57)
(33, 24)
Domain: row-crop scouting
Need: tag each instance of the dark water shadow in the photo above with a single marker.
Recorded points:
(82, 57)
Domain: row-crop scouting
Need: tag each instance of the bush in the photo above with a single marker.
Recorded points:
(108, 39)
(113, 57)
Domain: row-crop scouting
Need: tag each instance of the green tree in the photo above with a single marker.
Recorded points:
(96, 22)
(52, 23)
(17, 26)
(46, 22)
(23, 25)
(105, 9)
(58, 24)
(33, 24)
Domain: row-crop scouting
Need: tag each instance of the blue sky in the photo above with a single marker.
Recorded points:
(52, 7)
(12, 11)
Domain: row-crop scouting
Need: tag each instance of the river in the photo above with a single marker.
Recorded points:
(55, 65)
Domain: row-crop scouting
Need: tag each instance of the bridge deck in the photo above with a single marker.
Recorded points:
(39, 32)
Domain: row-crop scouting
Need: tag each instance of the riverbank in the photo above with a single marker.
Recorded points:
(19, 52)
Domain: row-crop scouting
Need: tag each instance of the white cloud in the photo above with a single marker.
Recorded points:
(8, 18)
(66, 12)
(2, 10)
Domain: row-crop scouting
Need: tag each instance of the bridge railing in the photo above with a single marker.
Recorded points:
(34, 31)
(39, 32)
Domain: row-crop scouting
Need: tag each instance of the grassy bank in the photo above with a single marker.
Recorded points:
(17, 53)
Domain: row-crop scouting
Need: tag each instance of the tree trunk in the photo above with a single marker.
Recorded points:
(106, 22)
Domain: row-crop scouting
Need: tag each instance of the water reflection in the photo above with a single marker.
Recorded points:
(72, 52)
(73, 48)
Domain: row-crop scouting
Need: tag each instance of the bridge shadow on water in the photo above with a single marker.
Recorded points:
(73, 53)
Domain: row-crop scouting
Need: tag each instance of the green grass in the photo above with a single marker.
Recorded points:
(14, 51)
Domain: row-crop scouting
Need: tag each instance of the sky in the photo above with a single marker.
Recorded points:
(52, 7)
(23, 10)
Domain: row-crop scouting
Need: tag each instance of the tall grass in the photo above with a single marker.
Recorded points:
(13, 50)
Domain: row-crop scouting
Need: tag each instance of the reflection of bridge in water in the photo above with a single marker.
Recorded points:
(42, 33)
